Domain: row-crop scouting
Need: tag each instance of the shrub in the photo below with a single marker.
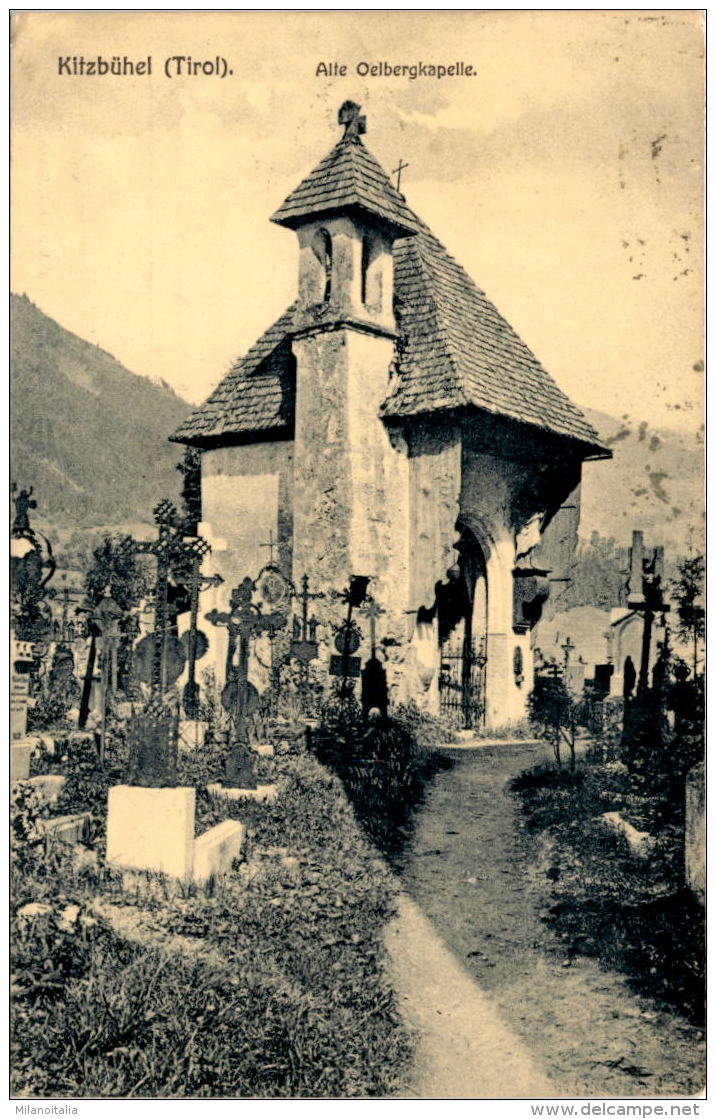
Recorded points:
(385, 767)
(633, 914)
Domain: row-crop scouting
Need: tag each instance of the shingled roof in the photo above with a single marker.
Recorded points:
(257, 394)
(348, 178)
(454, 349)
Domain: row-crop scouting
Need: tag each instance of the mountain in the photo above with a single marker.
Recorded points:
(655, 482)
(90, 436)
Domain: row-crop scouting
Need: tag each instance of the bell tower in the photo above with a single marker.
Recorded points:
(350, 469)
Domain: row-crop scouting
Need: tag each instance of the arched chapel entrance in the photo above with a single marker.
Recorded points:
(462, 635)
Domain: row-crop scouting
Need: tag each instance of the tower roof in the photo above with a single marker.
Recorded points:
(348, 178)
(454, 349)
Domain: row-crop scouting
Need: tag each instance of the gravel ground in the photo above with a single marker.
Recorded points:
(468, 872)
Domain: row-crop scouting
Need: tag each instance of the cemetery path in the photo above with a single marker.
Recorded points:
(499, 1010)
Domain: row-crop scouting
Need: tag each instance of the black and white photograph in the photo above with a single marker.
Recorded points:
(357, 557)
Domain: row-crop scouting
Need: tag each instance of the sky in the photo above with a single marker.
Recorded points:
(566, 176)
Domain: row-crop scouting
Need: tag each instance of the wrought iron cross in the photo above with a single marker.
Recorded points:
(307, 630)
(243, 621)
(270, 544)
(171, 544)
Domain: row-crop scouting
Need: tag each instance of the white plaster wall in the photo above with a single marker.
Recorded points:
(489, 485)
(627, 637)
(246, 495)
(434, 474)
(347, 249)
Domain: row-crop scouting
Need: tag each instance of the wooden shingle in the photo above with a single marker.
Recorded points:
(454, 349)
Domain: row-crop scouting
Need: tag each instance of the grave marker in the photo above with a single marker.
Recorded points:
(22, 662)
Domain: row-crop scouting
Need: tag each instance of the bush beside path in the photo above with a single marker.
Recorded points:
(477, 877)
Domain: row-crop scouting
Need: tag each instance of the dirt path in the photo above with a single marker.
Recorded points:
(576, 1027)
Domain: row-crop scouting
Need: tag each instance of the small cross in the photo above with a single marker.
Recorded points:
(373, 610)
(568, 648)
(270, 545)
(398, 171)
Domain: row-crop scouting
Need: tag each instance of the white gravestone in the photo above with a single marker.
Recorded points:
(151, 829)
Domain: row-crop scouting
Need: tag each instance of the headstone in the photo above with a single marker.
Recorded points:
(640, 843)
(152, 737)
(20, 755)
(22, 661)
(151, 829)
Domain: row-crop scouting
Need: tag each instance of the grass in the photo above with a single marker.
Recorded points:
(273, 986)
(633, 914)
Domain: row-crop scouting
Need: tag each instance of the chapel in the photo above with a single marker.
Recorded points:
(392, 424)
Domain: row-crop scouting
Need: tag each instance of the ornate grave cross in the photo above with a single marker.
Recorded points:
(304, 646)
(348, 637)
(646, 597)
(194, 639)
(32, 566)
(374, 690)
(244, 621)
(171, 545)
(373, 611)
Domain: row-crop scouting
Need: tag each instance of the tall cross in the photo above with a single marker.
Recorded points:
(398, 171)
(171, 544)
(568, 648)
(304, 598)
(243, 621)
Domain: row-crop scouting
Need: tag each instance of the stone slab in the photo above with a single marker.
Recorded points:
(48, 786)
(20, 754)
(217, 849)
(466, 740)
(65, 829)
(151, 829)
(264, 749)
(263, 794)
(639, 842)
(695, 837)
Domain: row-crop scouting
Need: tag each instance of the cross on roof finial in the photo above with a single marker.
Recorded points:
(349, 116)
(398, 171)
